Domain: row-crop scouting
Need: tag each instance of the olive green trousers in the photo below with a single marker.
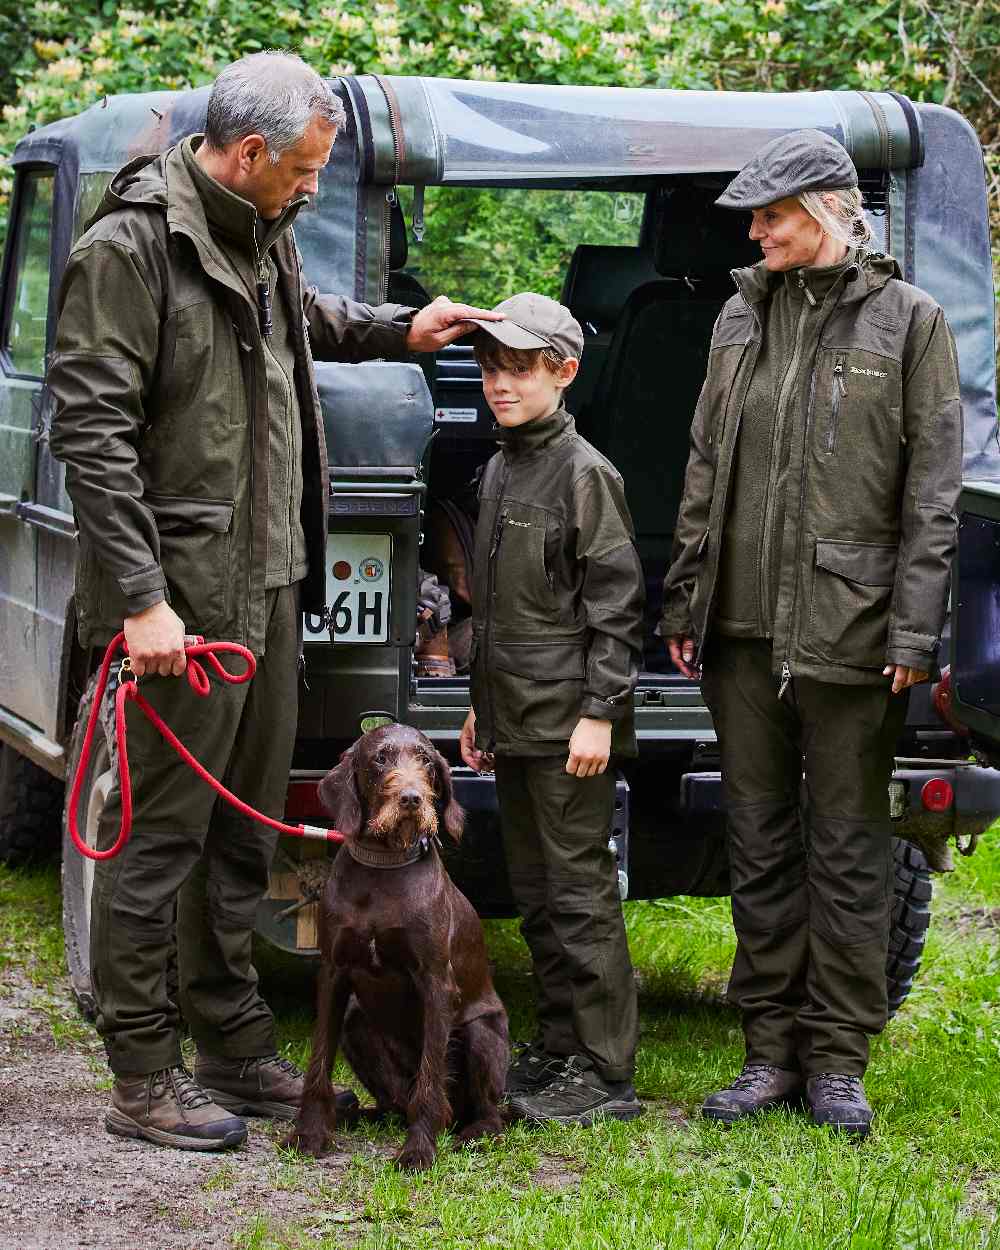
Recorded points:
(565, 884)
(806, 789)
(195, 855)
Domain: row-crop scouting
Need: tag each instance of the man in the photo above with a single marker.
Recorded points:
(188, 420)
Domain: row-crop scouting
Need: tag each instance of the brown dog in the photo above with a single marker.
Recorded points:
(404, 984)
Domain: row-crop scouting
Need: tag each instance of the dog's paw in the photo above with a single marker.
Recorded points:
(415, 1156)
(306, 1141)
(487, 1127)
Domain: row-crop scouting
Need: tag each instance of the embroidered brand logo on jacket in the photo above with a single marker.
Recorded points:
(869, 373)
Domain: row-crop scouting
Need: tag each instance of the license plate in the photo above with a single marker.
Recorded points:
(358, 573)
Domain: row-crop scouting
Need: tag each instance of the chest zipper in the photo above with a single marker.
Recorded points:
(491, 581)
(839, 392)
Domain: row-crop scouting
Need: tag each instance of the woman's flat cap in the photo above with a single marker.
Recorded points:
(804, 160)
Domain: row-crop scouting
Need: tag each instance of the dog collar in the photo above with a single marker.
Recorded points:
(383, 857)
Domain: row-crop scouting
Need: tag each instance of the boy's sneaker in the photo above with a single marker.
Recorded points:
(838, 1101)
(531, 1068)
(578, 1095)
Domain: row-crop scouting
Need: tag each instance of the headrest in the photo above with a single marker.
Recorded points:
(694, 236)
(398, 247)
(599, 280)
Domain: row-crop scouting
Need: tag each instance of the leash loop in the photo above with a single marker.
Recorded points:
(128, 691)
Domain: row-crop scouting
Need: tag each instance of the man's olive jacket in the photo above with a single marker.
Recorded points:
(161, 414)
(872, 481)
(557, 594)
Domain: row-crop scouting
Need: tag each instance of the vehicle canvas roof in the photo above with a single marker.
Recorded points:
(491, 133)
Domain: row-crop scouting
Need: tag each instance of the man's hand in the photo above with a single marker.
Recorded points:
(682, 650)
(589, 748)
(902, 676)
(442, 322)
(156, 641)
(478, 761)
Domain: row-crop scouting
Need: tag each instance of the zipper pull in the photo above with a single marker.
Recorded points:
(786, 677)
(264, 301)
(498, 533)
(808, 294)
(838, 373)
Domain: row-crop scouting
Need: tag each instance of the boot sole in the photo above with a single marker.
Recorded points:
(121, 1125)
(616, 1111)
(857, 1130)
(238, 1106)
(723, 1115)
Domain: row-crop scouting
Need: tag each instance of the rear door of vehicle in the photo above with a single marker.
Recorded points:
(975, 639)
(24, 330)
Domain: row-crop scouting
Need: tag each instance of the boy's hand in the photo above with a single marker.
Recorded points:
(682, 652)
(903, 677)
(589, 748)
(479, 761)
(155, 640)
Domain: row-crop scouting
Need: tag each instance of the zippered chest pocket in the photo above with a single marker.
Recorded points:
(524, 583)
(856, 402)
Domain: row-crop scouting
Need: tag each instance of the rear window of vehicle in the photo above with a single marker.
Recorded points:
(24, 333)
(482, 244)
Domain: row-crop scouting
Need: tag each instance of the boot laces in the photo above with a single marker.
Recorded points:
(572, 1074)
(754, 1075)
(186, 1090)
(838, 1087)
(279, 1061)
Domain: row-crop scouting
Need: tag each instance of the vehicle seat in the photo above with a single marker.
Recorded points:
(404, 288)
(642, 406)
(599, 280)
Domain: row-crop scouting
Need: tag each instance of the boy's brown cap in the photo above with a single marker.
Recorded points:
(534, 321)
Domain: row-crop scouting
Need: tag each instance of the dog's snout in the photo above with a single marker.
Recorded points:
(409, 798)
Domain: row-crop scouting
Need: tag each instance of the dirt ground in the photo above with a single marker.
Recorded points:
(65, 1183)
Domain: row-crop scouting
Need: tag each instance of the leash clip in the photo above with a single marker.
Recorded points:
(125, 671)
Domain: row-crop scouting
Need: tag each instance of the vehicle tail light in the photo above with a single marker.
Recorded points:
(937, 794)
(942, 702)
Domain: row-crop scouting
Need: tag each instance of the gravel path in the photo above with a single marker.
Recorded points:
(65, 1183)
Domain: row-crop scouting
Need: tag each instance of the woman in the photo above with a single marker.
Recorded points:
(808, 590)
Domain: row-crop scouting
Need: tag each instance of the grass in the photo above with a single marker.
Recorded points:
(927, 1179)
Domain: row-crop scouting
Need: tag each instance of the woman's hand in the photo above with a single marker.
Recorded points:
(589, 748)
(903, 676)
(478, 761)
(682, 649)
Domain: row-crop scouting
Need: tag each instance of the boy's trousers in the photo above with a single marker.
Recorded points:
(190, 848)
(565, 884)
(812, 889)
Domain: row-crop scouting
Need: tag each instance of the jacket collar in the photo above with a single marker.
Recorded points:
(523, 440)
(863, 272)
(230, 215)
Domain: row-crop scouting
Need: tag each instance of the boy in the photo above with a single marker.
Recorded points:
(557, 638)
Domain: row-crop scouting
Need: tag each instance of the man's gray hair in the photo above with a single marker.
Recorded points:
(840, 213)
(273, 94)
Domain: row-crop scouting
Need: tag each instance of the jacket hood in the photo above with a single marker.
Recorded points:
(141, 181)
(874, 269)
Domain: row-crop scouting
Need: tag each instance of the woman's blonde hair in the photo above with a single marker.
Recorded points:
(840, 213)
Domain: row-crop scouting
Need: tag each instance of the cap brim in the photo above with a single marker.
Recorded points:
(509, 334)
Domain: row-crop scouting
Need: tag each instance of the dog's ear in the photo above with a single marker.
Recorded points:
(338, 792)
(454, 813)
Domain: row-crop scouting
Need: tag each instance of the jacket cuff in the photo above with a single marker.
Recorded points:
(396, 321)
(604, 709)
(144, 589)
(675, 623)
(925, 661)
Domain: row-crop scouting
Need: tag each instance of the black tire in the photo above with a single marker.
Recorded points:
(78, 871)
(31, 801)
(911, 918)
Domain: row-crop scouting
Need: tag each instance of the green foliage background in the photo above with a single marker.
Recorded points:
(57, 58)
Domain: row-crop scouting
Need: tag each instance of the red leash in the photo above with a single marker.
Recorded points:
(128, 689)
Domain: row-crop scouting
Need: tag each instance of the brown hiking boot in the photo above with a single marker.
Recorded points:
(838, 1101)
(759, 1087)
(170, 1107)
(269, 1085)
